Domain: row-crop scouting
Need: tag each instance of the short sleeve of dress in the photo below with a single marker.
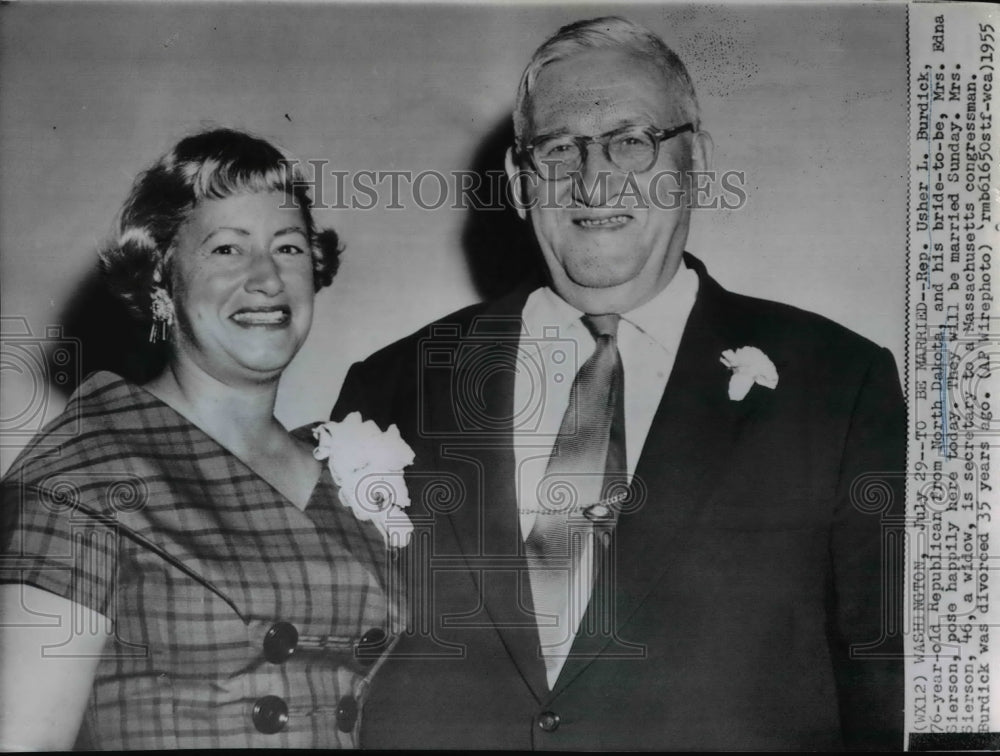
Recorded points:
(51, 539)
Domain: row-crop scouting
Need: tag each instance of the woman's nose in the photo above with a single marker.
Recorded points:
(264, 275)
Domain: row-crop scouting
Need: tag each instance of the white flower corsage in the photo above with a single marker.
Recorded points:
(749, 366)
(367, 465)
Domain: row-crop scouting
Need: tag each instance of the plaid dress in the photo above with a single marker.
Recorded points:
(239, 619)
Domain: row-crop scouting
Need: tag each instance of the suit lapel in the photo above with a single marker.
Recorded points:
(488, 533)
(684, 456)
(683, 459)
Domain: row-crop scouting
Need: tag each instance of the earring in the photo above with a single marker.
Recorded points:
(163, 315)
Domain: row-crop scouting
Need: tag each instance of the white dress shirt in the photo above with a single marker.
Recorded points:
(553, 345)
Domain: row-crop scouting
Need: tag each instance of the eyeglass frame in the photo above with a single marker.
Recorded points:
(582, 142)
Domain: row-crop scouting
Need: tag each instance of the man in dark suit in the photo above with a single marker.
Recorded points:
(732, 579)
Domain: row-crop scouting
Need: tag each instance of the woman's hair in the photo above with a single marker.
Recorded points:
(607, 32)
(212, 164)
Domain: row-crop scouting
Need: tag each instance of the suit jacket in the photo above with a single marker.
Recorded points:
(752, 600)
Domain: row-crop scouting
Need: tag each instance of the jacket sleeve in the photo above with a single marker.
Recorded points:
(867, 564)
(381, 388)
(353, 397)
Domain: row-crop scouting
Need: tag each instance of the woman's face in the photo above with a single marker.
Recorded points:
(242, 278)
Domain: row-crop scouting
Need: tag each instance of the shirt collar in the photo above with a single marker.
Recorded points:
(662, 318)
(545, 310)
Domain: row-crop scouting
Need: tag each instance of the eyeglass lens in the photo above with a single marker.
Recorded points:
(632, 150)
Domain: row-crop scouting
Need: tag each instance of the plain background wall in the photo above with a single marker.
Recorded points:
(808, 100)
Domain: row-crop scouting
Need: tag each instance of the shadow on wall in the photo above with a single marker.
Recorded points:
(109, 337)
(500, 249)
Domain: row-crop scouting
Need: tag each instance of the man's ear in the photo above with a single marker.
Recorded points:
(514, 176)
(702, 151)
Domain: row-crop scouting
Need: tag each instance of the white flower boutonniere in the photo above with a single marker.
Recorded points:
(367, 465)
(749, 366)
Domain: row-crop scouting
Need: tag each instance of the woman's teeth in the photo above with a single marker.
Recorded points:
(261, 317)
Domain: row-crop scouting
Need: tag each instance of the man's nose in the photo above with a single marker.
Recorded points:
(599, 180)
(264, 275)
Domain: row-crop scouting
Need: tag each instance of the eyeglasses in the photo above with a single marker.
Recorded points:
(632, 149)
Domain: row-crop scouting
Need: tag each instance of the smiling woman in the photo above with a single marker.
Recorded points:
(228, 599)
(241, 296)
(242, 285)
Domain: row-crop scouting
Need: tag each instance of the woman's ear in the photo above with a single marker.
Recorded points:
(161, 271)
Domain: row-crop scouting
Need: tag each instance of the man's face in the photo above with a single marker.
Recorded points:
(611, 241)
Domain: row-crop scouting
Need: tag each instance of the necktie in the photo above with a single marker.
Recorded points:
(587, 464)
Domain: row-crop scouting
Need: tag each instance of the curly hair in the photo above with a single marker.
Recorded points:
(212, 164)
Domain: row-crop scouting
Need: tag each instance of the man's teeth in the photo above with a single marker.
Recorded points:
(614, 220)
(261, 317)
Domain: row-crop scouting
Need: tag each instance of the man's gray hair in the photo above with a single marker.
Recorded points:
(607, 32)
